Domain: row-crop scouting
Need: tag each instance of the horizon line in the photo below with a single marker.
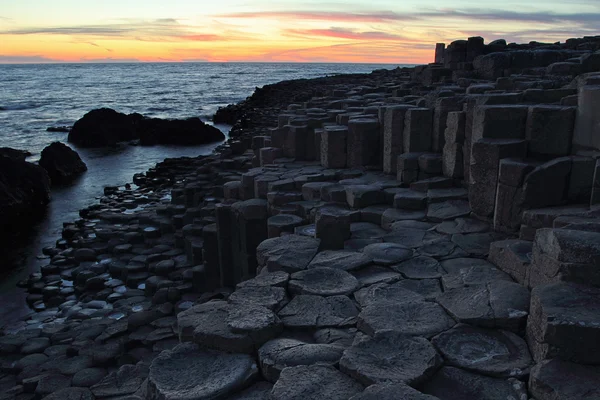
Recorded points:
(204, 62)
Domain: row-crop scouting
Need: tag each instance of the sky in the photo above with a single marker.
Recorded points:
(373, 31)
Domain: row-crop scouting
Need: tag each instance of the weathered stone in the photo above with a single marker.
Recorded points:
(410, 200)
(536, 191)
(392, 215)
(513, 257)
(559, 313)
(382, 292)
(550, 129)
(456, 384)
(281, 353)
(314, 382)
(411, 238)
(556, 379)
(126, 381)
(71, 393)
(476, 244)
(341, 259)
(499, 122)
(496, 353)
(587, 121)
(88, 377)
(387, 253)
(360, 196)
(462, 226)
(275, 279)
(420, 268)
(470, 271)
(240, 328)
(393, 130)
(430, 164)
(271, 297)
(308, 311)
(390, 357)
(448, 210)
(189, 372)
(332, 227)
(323, 282)
(581, 181)
(500, 304)
(363, 142)
(418, 130)
(412, 318)
(278, 224)
(289, 253)
(258, 391)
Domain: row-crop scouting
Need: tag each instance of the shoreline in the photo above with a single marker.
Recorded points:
(327, 246)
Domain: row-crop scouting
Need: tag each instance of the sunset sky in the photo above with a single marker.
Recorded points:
(374, 31)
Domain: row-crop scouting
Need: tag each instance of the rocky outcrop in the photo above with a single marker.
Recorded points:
(106, 127)
(14, 154)
(24, 193)
(62, 163)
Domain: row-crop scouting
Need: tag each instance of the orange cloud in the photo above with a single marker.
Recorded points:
(332, 16)
(342, 33)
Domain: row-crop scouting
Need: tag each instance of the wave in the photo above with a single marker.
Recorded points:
(20, 106)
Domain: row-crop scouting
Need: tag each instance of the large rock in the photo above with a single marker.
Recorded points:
(106, 127)
(188, 372)
(314, 382)
(62, 163)
(556, 379)
(24, 194)
(289, 253)
(390, 357)
(125, 381)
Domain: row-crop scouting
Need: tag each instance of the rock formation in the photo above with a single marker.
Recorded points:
(106, 127)
(62, 163)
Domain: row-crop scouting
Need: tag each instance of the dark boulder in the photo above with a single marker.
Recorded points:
(107, 127)
(104, 127)
(24, 194)
(14, 154)
(185, 132)
(62, 163)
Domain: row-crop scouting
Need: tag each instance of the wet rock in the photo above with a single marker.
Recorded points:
(390, 357)
(314, 382)
(456, 384)
(323, 282)
(237, 328)
(496, 353)
(308, 311)
(62, 163)
(278, 354)
(188, 372)
(410, 318)
(556, 379)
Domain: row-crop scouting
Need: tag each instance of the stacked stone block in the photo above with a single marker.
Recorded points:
(454, 137)
(249, 228)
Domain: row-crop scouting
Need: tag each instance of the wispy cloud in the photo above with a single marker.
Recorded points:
(379, 16)
(344, 33)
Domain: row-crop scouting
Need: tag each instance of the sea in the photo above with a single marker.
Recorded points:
(34, 97)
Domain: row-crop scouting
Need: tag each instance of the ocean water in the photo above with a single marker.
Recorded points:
(34, 97)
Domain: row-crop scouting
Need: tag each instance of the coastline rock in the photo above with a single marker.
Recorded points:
(62, 163)
(106, 127)
(14, 154)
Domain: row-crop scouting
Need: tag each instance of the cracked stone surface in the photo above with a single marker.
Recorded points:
(309, 311)
(340, 259)
(323, 282)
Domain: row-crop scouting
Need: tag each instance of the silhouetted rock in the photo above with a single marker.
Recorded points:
(107, 127)
(62, 163)
(14, 154)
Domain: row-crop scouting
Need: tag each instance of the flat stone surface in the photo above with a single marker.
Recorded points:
(222, 326)
(387, 253)
(463, 226)
(406, 237)
(559, 313)
(420, 268)
(500, 304)
(277, 354)
(393, 215)
(556, 379)
(338, 337)
(376, 274)
(383, 292)
(309, 311)
(456, 384)
(413, 224)
(491, 352)
(289, 253)
(277, 279)
(391, 391)
(476, 244)
(414, 318)
(390, 357)
(271, 297)
(470, 271)
(127, 380)
(340, 259)
(428, 288)
(189, 372)
(323, 282)
(448, 210)
(314, 382)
